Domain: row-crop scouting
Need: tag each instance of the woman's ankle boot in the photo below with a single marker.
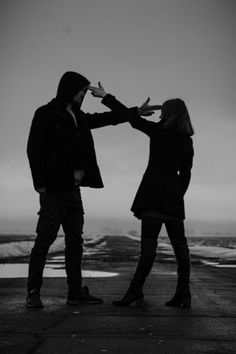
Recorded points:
(146, 259)
(182, 297)
(129, 298)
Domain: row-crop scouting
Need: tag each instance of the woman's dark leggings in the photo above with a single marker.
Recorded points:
(150, 231)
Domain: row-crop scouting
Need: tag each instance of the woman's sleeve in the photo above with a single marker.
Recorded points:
(142, 124)
(185, 172)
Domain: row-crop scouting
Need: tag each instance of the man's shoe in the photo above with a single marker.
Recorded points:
(33, 299)
(83, 298)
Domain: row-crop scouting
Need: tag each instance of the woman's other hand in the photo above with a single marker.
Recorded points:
(147, 110)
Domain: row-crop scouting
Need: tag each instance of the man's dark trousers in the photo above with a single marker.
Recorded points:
(59, 208)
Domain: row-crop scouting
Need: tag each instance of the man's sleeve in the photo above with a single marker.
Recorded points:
(119, 114)
(35, 150)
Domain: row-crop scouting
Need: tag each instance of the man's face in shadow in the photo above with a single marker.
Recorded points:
(79, 97)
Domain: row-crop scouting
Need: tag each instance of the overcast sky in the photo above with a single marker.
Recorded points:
(136, 48)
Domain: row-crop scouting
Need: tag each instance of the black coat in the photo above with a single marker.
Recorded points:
(168, 173)
(56, 147)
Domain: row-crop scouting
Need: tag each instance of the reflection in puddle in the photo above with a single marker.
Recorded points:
(14, 270)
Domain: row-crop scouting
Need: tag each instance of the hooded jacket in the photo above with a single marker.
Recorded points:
(57, 146)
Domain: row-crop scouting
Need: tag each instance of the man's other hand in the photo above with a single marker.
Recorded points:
(78, 176)
(41, 190)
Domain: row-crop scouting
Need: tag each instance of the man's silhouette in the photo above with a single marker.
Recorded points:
(62, 158)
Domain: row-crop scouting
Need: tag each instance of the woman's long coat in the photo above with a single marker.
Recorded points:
(168, 173)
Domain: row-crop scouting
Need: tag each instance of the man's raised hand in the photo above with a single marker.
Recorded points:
(97, 91)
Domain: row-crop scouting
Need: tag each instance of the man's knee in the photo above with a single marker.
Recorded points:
(48, 227)
(74, 245)
(40, 248)
(44, 240)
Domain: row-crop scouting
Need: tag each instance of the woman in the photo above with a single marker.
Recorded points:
(160, 196)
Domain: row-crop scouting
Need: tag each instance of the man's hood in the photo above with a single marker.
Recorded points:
(70, 84)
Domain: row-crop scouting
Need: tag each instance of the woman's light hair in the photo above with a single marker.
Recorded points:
(175, 116)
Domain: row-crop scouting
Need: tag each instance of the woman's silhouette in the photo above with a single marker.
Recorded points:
(160, 197)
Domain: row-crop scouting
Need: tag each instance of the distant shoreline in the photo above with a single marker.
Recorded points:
(31, 236)
(219, 252)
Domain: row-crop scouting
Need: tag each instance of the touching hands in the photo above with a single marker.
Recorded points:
(98, 91)
(147, 110)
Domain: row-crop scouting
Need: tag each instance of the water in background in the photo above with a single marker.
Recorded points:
(213, 251)
(12, 246)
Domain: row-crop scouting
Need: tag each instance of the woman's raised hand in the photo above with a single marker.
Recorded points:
(147, 110)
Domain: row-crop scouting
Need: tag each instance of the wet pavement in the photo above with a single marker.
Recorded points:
(208, 327)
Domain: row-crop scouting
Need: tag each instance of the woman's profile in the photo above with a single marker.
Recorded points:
(160, 197)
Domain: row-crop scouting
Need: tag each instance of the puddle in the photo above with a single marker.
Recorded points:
(15, 270)
(54, 268)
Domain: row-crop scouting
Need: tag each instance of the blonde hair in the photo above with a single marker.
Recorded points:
(175, 116)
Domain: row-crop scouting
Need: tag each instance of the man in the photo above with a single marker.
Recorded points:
(62, 158)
